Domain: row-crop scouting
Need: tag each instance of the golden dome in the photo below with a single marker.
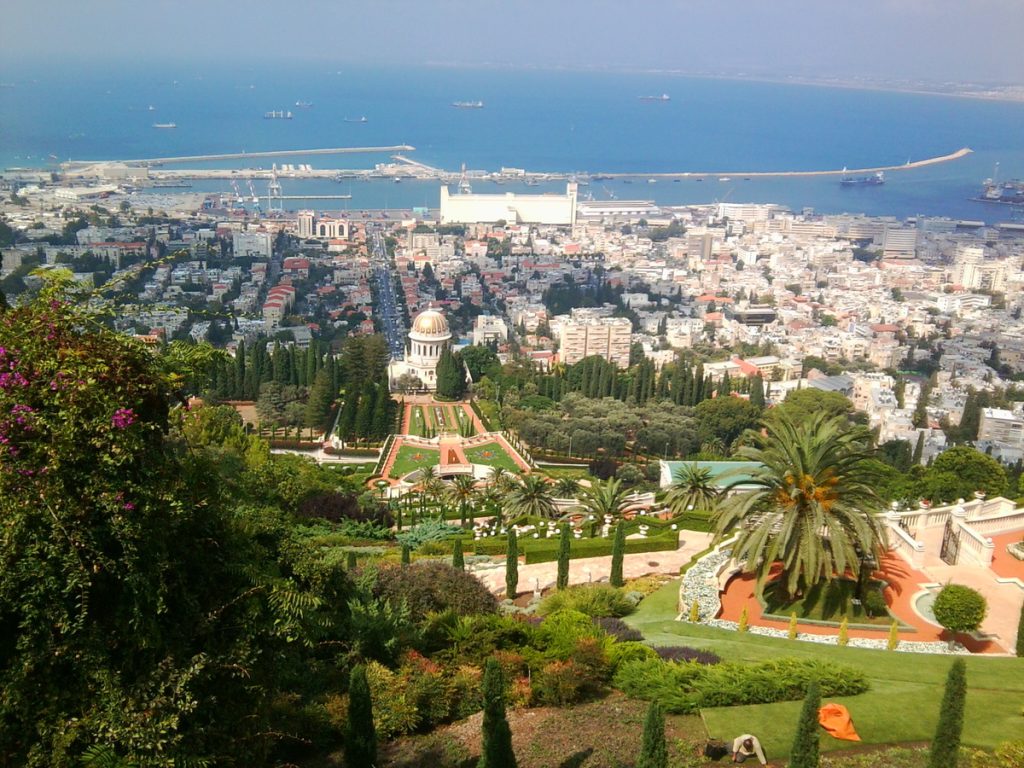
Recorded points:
(430, 322)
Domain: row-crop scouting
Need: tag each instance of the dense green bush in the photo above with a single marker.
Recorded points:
(560, 631)
(685, 687)
(621, 652)
(959, 608)
(429, 530)
(594, 600)
(545, 550)
(428, 586)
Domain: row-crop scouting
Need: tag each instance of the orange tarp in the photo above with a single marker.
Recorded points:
(835, 718)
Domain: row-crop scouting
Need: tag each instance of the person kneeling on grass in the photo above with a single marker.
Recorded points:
(746, 746)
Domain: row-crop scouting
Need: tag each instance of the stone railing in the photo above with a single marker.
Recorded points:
(902, 542)
(973, 544)
(998, 523)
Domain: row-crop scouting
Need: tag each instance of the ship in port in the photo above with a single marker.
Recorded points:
(468, 104)
(663, 97)
(1009, 192)
(874, 180)
(360, 119)
(303, 104)
(277, 115)
(165, 125)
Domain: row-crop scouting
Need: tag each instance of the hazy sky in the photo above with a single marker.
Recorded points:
(932, 39)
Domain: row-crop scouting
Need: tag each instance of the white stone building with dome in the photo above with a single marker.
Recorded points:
(427, 339)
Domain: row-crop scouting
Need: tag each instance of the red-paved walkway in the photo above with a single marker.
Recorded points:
(1004, 564)
(904, 584)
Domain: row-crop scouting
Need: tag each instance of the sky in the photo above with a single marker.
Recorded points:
(934, 40)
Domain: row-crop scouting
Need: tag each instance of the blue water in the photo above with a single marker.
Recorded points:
(542, 121)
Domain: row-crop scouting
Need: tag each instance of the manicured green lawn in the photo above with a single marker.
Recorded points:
(824, 602)
(417, 425)
(492, 455)
(901, 706)
(410, 458)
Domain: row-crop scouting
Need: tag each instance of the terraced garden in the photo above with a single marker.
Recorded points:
(411, 457)
(491, 455)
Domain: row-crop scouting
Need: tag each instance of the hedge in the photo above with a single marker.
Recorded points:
(546, 550)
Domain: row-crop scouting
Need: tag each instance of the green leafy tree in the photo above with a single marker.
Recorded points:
(318, 406)
(803, 404)
(451, 381)
(512, 565)
(458, 560)
(960, 471)
(959, 609)
(757, 392)
(725, 419)
(564, 545)
(497, 736)
(811, 507)
(945, 749)
(618, 552)
(360, 734)
(654, 751)
(805, 750)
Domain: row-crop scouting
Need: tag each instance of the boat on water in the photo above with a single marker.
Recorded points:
(663, 97)
(725, 178)
(1009, 192)
(303, 104)
(277, 114)
(151, 108)
(468, 104)
(361, 119)
(165, 125)
(874, 180)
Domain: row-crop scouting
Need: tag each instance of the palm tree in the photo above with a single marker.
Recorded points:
(530, 496)
(604, 498)
(501, 479)
(692, 490)
(489, 500)
(459, 494)
(813, 506)
(567, 487)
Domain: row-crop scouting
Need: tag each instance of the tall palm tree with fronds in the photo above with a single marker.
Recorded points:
(567, 487)
(692, 490)
(488, 500)
(812, 508)
(460, 493)
(530, 496)
(501, 479)
(606, 497)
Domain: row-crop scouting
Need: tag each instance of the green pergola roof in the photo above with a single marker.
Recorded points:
(741, 471)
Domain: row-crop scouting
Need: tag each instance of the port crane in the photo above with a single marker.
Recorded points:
(252, 193)
(275, 199)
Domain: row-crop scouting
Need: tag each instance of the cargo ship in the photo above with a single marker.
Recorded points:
(165, 125)
(1004, 192)
(277, 115)
(468, 104)
(303, 104)
(361, 119)
(874, 180)
(663, 97)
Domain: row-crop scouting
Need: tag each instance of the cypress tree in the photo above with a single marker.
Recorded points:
(360, 735)
(918, 449)
(351, 561)
(364, 413)
(654, 752)
(512, 566)
(618, 550)
(946, 744)
(497, 736)
(804, 753)
(1020, 633)
(563, 558)
(406, 555)
(239, 392)
(458, 560)
(757, 391)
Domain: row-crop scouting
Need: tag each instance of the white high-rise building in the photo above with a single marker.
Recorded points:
(608, 337)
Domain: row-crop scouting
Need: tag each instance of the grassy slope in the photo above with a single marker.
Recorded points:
(901, 706)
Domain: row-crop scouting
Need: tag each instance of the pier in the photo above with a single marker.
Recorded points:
(246, 155)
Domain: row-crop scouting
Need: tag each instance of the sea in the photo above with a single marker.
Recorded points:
(542, 121)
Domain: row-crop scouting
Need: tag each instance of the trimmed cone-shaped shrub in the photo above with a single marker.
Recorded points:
(946, 744)
(497, 736)
(654, 752)
(512, 566)
(744, 620)
(894, 636)
(563, 558)
(791, 632)
(804, 753)
(458, 560)
(618, 550)
(360, 736)
(351, 561)
(844, 632)
(406, 554)
(694, 612)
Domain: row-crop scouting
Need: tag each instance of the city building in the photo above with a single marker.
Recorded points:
(428, 338)
(251, 244)
(512, 208)
(999, 425)
(608, 337)
(489, 329)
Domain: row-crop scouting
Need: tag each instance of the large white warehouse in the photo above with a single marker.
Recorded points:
(471, 208)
